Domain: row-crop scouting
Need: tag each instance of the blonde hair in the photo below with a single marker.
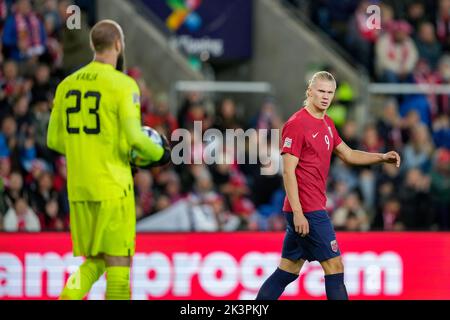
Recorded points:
(321, 75)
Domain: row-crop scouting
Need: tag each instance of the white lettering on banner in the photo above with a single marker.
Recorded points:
(186, 265)
(313, 280)
(191, 45)
(218, 273)
(54, 265)
(98, 290)
(375, 268)
(151, 275)
(11, 280)
(256, 267)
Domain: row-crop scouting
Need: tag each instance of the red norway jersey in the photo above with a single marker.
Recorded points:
(312, 141)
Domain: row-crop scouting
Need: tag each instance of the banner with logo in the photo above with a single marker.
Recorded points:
(220, 28)
(233, 266)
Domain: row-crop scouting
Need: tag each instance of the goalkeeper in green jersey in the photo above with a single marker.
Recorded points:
(95, 121)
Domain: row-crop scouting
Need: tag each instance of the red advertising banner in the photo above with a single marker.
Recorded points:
(233, 266)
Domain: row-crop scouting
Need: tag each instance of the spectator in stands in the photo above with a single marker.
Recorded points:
(203, 183)
(226, 221)
(440, 187)
(40, 117)
(51, 219)
(14, 190)
(3, 202)
(50, 12)
(417, 153)
(388, 126)
(390, 218)
(196, 112)
(34, 170)
(162, 202)
(8, 139)
(24, 34)
(43, 86)
(43, 194)
(351, 216)
(3, 13)
(147, 103)
(410, 120)
(267, 117)
(387, 183)
(387, 16)
(13, 84)
(143, 193)
(53, 26)
(226, 116)
(428, 47)
(370, 142)
(160, 116)
(417, 212)
(396, 54)
(441, 104)
(441, 131)
(172, 187)
(20, 218)
(416, 15)
(442, 23)
(76, 49)
(190, 98)
(60, 186)
(21, 114)
(361, 37)
(341, 172)
(350, 133)
(337, 193)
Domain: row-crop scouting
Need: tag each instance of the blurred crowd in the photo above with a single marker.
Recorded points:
(38, 51)
(397, 41)
(410, 43)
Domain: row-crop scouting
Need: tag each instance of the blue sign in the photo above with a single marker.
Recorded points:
(221, 28)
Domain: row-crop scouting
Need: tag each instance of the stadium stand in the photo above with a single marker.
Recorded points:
(37, 51)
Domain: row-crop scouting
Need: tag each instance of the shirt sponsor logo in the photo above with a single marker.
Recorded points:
(287, 143)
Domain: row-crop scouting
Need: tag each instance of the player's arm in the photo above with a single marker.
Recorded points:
(55, 136)
(357, 157)
(290, 163)
(130, 121)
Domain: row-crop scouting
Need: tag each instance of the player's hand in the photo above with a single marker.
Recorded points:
(392, 157)
(301, 224)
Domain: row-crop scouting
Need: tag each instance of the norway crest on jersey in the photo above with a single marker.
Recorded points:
(334, 246)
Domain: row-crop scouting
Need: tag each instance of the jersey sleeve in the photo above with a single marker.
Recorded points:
(55, 136)
(129, 111)
(292, 139)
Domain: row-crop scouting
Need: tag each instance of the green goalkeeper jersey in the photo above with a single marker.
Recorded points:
(94, 122)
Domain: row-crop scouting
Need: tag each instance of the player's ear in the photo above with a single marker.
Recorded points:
(118, 46)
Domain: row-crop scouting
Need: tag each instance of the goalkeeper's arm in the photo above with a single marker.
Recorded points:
(145, 147)
(129, 115)
(55, 139)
